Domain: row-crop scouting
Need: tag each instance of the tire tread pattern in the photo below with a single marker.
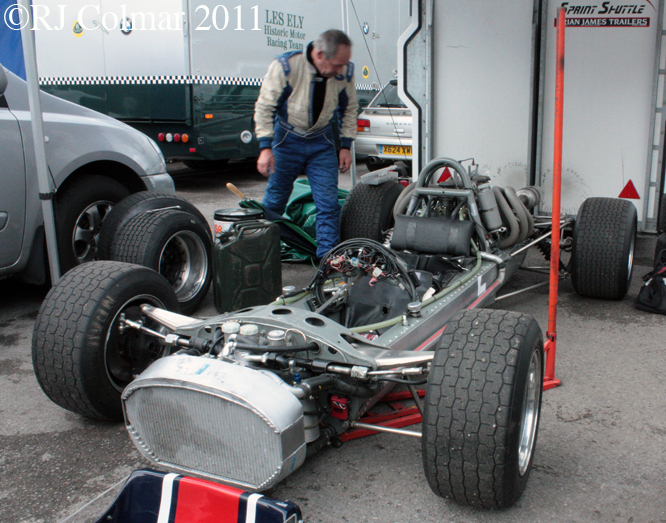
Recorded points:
(599, 257)
(61, 330)
(467, 415)
(139, 203)
(367, 211)
(135, 243)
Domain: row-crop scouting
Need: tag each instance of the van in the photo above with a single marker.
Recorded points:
(94, 161)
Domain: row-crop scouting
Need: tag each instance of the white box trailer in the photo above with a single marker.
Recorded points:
(480, 77)
(188, 72)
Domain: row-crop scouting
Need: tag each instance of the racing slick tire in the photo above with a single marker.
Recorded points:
(135, 204)
(482, 408)
(173, 243)
(604, 240)
(368, 211)
(81, 208)
(81, 359)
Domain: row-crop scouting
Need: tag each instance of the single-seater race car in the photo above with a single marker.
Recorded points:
(244, 397)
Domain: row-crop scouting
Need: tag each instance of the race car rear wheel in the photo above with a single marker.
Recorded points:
(175, 244)
(368, 211)
(137, 203)
(483, 401)
(81, 359)
(604, 240)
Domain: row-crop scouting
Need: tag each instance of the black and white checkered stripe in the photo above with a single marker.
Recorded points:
(226, 80)
(166, 79)
(144, 80)
(367, 87)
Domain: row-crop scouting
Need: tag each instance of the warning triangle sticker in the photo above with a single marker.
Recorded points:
(629, 192)
(446, 174)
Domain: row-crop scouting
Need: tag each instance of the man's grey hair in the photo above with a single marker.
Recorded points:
(329, 41)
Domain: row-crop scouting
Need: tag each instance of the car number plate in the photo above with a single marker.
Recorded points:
(405, 150)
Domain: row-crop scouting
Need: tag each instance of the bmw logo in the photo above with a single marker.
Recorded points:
(366, 28)
(126, 26)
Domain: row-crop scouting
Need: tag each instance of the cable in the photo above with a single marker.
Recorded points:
(359, 257)
(404, 381)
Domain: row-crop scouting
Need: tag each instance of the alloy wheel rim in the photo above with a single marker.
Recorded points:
(530, 414)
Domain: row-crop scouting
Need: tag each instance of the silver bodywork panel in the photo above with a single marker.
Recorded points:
(216, 420)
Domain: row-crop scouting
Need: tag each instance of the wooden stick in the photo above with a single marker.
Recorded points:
(235, 190)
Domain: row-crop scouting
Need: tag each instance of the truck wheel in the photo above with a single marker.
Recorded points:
(80, 210)
(602, 256)
(137, 203)
(482, 406)
(368, 211)
(81, 360)
(175, 244)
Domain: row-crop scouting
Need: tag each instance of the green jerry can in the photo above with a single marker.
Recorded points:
(246, 262)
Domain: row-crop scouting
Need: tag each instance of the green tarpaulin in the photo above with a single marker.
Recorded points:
(297, 224)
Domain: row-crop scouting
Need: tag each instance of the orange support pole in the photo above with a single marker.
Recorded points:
(551, 335)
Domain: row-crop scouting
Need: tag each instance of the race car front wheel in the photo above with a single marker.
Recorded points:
(604, 240)
(482, 408)
(82, 360)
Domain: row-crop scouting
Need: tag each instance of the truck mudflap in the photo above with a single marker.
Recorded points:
(155, 497)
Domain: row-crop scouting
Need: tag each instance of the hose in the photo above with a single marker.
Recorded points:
(282, 300)
(403, 200)
(277, 348)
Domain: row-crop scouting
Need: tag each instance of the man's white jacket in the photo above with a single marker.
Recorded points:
(286, 92)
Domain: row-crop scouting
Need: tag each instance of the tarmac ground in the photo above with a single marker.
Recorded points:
(600, 456)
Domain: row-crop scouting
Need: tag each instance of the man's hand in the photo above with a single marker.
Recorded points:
(266, 162)
(345, 160)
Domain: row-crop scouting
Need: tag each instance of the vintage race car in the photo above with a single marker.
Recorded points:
(244, 397)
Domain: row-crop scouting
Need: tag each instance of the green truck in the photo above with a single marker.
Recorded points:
(188, 73)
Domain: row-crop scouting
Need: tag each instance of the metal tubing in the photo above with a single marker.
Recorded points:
(551, 335)
(44, 180)
(417, 400)
(563, 223)
(508, 218)
(493, 258)
(379, 428)
(531, 287)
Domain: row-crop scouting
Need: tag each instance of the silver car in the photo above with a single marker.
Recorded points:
(94, 162)
(384, 130)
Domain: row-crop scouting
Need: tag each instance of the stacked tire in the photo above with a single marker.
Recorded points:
(167, 234)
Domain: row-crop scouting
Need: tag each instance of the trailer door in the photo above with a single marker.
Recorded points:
(608, 102)
(482, 56)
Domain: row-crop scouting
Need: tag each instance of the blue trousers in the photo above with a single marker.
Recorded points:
(316, 154)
